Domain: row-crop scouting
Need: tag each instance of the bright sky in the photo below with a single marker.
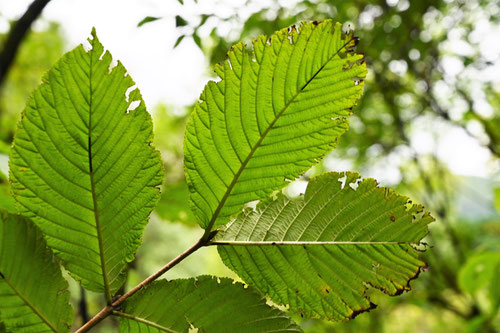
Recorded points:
(177, 76)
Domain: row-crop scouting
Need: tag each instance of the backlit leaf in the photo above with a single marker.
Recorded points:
(82, 166)
(33, 293)
(319, 254)
(207, 303)
(275, 112)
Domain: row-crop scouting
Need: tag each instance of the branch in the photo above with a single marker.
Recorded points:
(16, 35)
(110, 309)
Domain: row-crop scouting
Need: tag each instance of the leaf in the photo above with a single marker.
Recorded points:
(34, 296)
(179, 21)
(83, 168)
(275, 113)
(319, 254)
(179, 40)
(206, 303)
(479, 275)
(197, 40)
(147, 19)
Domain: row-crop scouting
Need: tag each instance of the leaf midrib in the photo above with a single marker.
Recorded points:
(31, 306)
(107, 289)
(259, 142)
(261, 243)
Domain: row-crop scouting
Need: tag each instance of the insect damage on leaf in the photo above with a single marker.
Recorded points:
(276, 111)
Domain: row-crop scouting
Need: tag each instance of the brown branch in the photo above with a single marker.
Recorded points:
(108, 310)
(17, 34)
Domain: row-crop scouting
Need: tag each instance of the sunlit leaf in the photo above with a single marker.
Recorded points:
(276, 111)
(320, 253)
(82, 166)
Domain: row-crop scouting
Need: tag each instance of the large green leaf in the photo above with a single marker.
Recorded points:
(83, 168)
(33, 293)
(320, 254)
(273, 114)
(206, 303)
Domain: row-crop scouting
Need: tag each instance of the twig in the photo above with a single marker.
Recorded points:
(109, 309)
(16, 35)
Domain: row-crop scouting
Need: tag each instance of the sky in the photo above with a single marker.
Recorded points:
(176, 76)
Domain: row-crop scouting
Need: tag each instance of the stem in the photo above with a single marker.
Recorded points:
(110, 309)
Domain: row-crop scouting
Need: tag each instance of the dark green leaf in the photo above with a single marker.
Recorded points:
(179, 21)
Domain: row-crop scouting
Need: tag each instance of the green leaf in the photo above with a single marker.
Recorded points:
(197, 39)
(83, 168)
(479, 277)
(179, 21)
(206, 303)
(179, 40)
(275, 113)
(147, 19)
(33, 293)
(319, 254)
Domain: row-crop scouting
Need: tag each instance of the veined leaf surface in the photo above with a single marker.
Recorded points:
(320, 254)
(206, 303)
(83, 168)
(33, 293)
(273, 114)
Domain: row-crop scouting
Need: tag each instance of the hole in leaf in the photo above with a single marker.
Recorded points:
(128, 91)
(133, 105)
(342, 181)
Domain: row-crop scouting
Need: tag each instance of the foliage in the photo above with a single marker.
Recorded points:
(319, 254)
(190, 299)
(411, 90)
(84, 171)
(293, 91)
(25, 305)
(90, 150)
